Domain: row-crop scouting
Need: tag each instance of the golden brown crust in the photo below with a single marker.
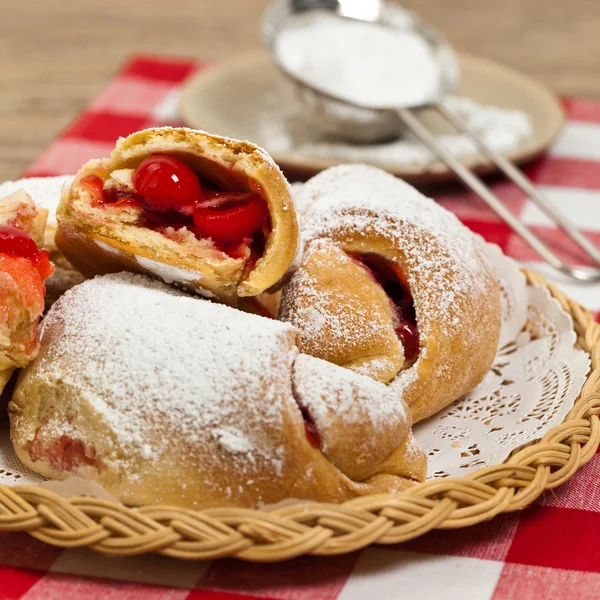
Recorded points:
(146, 450)
(231, 164)
(455, 291)
(345, 315)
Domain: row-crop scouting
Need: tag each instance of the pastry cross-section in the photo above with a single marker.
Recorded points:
(206, 213)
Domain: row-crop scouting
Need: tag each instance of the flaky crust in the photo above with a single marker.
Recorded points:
(456, 293)
(229, 432)
(96, 248)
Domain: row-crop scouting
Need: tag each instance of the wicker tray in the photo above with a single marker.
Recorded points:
(325, 529)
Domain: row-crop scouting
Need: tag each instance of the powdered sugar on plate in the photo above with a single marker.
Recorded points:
(359, 61)
(281, 129)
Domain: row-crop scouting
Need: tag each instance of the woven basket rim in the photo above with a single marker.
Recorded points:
(311, 528)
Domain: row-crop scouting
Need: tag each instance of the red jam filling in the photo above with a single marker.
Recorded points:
(65, 454)
(393, 280)
(171, 195)
(16, 243)
(310, 427)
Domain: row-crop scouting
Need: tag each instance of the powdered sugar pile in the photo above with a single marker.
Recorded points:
(358, 61)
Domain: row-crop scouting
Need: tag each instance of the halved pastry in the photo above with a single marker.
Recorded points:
(45, 193)
(209, 214)
(162, 398)
(23, 270)
(392, 286)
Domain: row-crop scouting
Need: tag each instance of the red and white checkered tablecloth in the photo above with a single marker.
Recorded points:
(551, 550)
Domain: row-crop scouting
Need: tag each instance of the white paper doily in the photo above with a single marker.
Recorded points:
(535, 379)
(533, 383)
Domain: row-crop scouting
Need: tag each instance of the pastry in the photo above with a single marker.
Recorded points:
(163, 398)
(209, 214)
(45, 193)
(23, 270)
(392, 286)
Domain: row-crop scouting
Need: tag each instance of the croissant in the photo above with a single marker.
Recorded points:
(164, 398)
(392, 286)
(209, 214)
(23, 270)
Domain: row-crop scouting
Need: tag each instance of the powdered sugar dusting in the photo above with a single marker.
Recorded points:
(168, 388)
(338, 395)
(446, 269)
(360, 421)
(438, 250)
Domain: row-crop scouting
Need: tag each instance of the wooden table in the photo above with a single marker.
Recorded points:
(56, 54)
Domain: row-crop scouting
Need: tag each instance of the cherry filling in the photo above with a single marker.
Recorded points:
(310, 427)
(16, 243)
(171, 195)
(65, 454)
(393, 280)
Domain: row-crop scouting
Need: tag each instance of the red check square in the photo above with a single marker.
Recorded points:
(562, 245)
(212, 595)
(105, 127)
(14, 583)
(495, 233)
(561, 538)
(159, 69)
(540, 583)
(565, 172)
(582, 110)
(131, 96)
(306, 578)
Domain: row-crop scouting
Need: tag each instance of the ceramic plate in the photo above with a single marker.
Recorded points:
(233, 99)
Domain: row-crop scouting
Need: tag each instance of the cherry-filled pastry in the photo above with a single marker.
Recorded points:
(206, 213)
(164, 398)
(24, 268)
(392, 286)
(45, 193)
